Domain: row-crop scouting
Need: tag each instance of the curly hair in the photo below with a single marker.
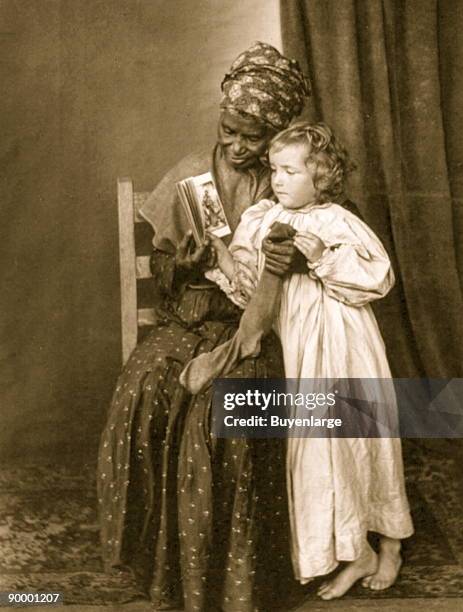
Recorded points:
(326, 156)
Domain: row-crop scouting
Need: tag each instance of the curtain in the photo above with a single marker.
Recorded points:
(387, 78)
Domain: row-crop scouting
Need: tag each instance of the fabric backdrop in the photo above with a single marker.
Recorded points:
(387, 77)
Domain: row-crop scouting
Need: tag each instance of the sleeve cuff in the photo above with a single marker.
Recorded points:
(228, 287)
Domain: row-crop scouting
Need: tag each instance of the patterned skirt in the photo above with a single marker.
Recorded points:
(201, 521)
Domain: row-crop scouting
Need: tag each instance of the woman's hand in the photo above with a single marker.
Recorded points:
(192, 257)
(279, 256)
(279, 250)
(310, 245)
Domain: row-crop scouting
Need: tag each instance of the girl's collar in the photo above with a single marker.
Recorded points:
(307, 208)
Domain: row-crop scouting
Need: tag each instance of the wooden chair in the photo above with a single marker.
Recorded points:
(135, 235)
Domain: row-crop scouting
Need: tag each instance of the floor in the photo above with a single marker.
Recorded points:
(352, 605)
(48, 521)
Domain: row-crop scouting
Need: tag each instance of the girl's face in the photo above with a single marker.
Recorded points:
(291, 177)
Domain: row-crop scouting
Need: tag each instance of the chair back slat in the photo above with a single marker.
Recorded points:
(143, 266)
(133, 267)
(146, 316)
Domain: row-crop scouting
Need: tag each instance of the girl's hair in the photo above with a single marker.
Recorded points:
(330, 160)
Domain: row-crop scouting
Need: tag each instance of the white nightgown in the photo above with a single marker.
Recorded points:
(338, 488)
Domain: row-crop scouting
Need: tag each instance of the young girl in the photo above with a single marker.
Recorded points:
(339, 488)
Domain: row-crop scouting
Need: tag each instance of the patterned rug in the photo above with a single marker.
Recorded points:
(49, 533)
(49, 537)
(433, 556)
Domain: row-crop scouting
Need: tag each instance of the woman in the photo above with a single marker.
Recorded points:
(202, 521)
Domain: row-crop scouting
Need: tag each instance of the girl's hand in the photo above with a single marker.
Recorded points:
(216, 242)
(309, 245)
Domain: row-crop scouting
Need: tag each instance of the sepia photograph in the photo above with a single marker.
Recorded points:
(232, 312)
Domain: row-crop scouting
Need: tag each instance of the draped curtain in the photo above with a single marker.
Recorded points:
(387, 77)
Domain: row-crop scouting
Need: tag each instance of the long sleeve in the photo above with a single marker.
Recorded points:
(168, 279)
(162, 266)
(354, 268)
(231, 287)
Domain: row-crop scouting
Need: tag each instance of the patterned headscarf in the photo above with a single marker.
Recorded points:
(266, 85)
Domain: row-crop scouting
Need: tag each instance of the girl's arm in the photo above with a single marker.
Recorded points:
(233, 276)
(224, 258)
(353, 267)
(237, 272)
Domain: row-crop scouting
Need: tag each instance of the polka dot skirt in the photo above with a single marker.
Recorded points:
(201, 521)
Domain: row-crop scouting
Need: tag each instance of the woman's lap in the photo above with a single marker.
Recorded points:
(189, 513)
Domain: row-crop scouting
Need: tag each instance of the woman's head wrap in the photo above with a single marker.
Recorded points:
(265, 85)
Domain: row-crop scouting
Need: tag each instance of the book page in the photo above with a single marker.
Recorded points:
(210, 206)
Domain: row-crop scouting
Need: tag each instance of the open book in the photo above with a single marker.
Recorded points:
(202, 206)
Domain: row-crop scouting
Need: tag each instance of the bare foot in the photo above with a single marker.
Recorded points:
(388, 566)
(365, 565)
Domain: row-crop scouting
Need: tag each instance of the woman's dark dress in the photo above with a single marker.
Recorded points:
(200, 520)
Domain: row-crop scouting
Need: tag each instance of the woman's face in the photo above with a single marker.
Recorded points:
(243, 140)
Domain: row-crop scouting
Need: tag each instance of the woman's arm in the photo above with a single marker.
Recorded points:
(172, 272)
(163, 269)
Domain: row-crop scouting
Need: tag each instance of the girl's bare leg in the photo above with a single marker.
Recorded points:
(389, 563)
(365, 565)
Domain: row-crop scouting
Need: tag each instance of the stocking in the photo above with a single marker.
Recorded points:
(256, 321)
